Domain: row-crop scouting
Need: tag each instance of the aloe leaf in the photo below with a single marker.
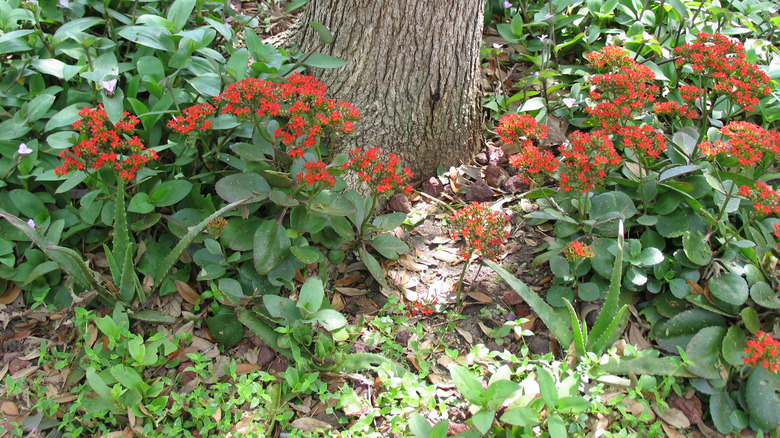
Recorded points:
(369, 361)
(610, 309)
(121, 233)
(128, 277)
(558, 327)
(600, 343)
(70, 261)
(656, 366)
(263, 331)
(178, 250)
(579, 341)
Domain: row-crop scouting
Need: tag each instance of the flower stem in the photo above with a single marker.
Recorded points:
(460, 281)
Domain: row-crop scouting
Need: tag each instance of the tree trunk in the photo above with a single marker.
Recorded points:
(412, 72)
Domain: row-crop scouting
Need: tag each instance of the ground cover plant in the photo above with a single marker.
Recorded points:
(179, 235)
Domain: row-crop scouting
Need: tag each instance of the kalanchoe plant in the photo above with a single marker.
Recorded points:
(483, 232)
(763, 352)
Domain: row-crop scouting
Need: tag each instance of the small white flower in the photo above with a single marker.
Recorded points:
(24, 150)
(497, 46)
(507, 5)
(543, 38)
(31, 223)
(569, 101)
(109, 86)
(64, 3)
(548, 15)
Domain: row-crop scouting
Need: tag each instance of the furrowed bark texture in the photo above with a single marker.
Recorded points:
(412, 72)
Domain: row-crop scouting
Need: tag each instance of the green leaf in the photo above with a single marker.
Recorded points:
(696, 248)
(764, 295)
(704, 351)
(153, 316)
(721, 407)
(387, 222)
(330, 319)
(311, 295)
(578, 333)
(547, 387)
(114, 105)
(521, 416)
(556, 426)
(588, 291)
(468, 385)
(730, 288)
(674, 224)
(419, 426)
(319, 60)
(389, 246)
(609, 312)
(557, 326)
(180, 12)
(38, 107)
(129, 378)
(208, 84)
(373, 267)
(306, 254)
(280, 198)
(762, 393)
(251, 186)
(650, 257)
(751, 319)
(169, 192)
(482, 420)
(734, 345)
(140, 203)
(98, 385)
(560, 268)
(262, 330)
(225, 328)
(149, 36)
(680, 329)
(270, 246)
(238, 62)
(167, 263)
(323, 32)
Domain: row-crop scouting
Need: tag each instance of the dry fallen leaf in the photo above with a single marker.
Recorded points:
(246, 368)
(446, 256)
(348, 280)
(351, 291)
(9, 408)
(308, 424)
(671, 432)
(675, 417)
(482, 298)
(187, 292)
(337, 302)
(466, 335)
(10, 294)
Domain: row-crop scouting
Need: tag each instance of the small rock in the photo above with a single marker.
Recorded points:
(400, 202)
(481, 158)
(539, 344)
(279, 364)
(16, 365)
(492, 346)
(403, 336)
(494, 154)
(265, 356)
(522, 310)
(432, 187)
(10, 356)
(479, 192)
(511, 298)
(454, 429)
(186, 376)
(514, 184)
(495, 175)
(511, 316)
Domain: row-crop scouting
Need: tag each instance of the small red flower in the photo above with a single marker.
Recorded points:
(481, 228)
(383, 175)
(765, 352)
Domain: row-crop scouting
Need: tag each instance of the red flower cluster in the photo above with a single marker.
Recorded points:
(622, 91)
(723, 59)
(520, 128)
(419, 307)
(764, 198)
(763, 352)
(104, 144)
(587, 157)
(747, 142)
(217, 226)
(645, 141)
(576, 250)
(193, 119)
(535, 161)
(675, 109)
(301, 100)
(382, 177)
(316, 173)
(481, 228)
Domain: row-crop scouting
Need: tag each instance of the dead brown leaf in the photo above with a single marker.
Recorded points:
(21, 334)
(246, 368)
(636, 339)
(187, 292)
(348, 280)
(351, 291)
(308, 424)
(691, 407)
(409, 263)
(675, 417)
(481, 297)
(446, 256)
(671, 432)
(9, 408)
(466, 335)
(10, 294)
(337, 302)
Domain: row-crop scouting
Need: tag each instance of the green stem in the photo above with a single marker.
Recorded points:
(460, 281)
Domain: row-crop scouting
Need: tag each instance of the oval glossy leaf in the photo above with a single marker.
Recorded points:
(680, 329)
(734, 345)
(696, 248)
(389, 246)
(764, 295)
(721, 407)
(242, 186)
(306, 254)
(311, 296)
(704, 351)
(169, 192)
(270, 245)
(730, 288)
(225, 328)
(330, 319)
(762, 395)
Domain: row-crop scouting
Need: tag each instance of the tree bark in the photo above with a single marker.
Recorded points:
(412, 71)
